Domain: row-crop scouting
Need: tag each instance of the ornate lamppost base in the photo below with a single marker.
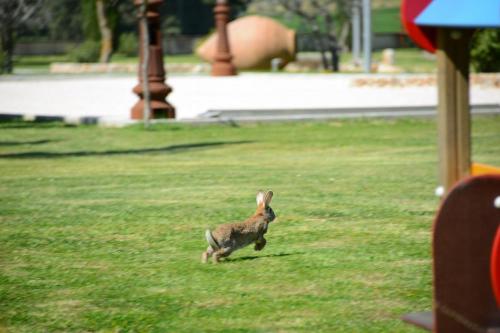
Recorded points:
(223, 69)
(159, 110)
(222, 65)
(158, 89)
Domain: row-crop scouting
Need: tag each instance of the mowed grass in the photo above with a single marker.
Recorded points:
(40, 64)
(101, 230)
(410, 60)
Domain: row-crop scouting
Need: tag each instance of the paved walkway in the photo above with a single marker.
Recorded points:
(109, 98)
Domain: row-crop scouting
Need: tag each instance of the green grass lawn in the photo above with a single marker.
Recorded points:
(387, 20)
(37, 64)
(40, 64)
(102, 229)
(410, 60)
(177, 59)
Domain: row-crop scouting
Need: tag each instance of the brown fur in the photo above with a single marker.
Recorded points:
(230, 237)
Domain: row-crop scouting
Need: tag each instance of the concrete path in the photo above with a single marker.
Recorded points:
(109, 98)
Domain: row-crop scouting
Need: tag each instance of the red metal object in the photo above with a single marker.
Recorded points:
(424, 37)
(222, 65)
(159, 90)
(495, 266)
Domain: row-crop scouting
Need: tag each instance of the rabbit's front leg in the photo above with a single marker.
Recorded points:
(260, 243)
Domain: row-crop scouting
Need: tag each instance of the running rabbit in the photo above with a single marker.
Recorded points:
(228, 238)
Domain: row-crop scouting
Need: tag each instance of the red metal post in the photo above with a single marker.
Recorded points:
(222, 65)
(159, 90)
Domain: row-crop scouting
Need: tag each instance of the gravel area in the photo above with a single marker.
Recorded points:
(110, 98)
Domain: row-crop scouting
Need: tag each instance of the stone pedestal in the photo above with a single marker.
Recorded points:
(222, 65)
(159, 90)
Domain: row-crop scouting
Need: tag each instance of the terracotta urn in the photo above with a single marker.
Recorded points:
(254, 41)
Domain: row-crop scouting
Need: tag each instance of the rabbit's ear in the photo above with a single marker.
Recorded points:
(267, 197)
(260, 199)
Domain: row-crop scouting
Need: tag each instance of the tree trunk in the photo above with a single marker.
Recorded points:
(106, 33)
(340, 45)
(7, 48)
(344, 34)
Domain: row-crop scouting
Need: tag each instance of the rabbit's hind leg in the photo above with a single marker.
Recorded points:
(224, 252)
(205, 255)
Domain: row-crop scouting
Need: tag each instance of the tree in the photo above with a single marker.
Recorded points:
(485, 53)
(105, 30)
(13, 14)
(328, 21)
(62, 19)
(100, 22)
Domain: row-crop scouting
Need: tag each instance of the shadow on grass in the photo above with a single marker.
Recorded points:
(13, 121)
(19, 143)
(261, 257)
(167, 149)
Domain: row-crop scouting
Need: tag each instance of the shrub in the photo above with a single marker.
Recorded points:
(485, 53)
(87, 52)
(128, 44)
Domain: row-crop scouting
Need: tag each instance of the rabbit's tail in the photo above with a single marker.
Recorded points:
(211, 240)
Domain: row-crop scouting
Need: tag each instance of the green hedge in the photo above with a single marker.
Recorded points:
(87, 52)
(485, 54)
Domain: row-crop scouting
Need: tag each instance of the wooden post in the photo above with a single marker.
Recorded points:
(453, 109)
(222, 65)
